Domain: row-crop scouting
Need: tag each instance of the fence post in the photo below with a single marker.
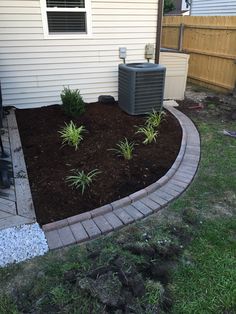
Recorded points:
(181, 36)
(159, 30)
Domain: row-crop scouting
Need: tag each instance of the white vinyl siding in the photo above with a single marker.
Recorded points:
(213, 7)
(33, 70)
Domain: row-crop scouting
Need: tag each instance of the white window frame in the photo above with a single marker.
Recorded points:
(87, 10)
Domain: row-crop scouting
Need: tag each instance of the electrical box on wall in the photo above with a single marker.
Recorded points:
(122, 52)
(149, 51)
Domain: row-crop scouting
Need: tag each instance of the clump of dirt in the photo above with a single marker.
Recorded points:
(119, 278)
(48, 163)
(125, 286)
(121, 286)
(221, 108)
(190, 216)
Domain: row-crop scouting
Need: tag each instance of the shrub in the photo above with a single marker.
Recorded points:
(154, 119)
(72, 102)
(124, 149)
(149, 133)
(81, 180)
(168, 6)
(72, 135)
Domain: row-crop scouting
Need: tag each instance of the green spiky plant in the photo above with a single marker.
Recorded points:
(154, 118)
(124, 149)
(81, 180)
(72, 135)
(149, 133)
(72, 102)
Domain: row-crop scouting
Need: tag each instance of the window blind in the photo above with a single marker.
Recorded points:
(66, 22)
(66, 3)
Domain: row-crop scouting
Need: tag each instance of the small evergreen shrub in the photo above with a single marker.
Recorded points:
(72, 102)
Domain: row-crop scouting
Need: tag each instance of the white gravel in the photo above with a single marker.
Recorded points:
(18, 244)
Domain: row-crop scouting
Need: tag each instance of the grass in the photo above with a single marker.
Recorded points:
(7, 306)
(207, 282)
(216, 176)
(202, 222)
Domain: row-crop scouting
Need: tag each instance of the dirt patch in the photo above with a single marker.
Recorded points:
(200, 102)
(49, 163)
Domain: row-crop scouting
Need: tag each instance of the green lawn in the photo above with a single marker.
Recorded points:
(183, 258)
(205, 282)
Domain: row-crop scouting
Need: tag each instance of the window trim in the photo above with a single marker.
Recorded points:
(87, 10)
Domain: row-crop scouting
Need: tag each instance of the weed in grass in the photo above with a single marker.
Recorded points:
(111, 251)
(85, 303)
(154, 119)
(72, 102)
(60, 296)
(81, 180)
(154, 292)
(153, 297)
(211, 106)
(53, 268)
(72, 135)
(149, 133)
(190, 216)
(124, 149)
(7, 306)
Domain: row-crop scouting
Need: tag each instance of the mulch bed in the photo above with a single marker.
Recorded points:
(49, 163)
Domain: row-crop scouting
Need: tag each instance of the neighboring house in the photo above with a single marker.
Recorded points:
(181, 7)
(48, 44)
(213, 7)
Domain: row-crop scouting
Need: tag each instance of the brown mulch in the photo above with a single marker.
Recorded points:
(49, 163)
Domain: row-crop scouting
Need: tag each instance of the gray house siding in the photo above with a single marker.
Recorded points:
(213, 7)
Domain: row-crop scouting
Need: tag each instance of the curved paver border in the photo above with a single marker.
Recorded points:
(89, 225)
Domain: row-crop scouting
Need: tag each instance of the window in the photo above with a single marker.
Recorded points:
(66, 18)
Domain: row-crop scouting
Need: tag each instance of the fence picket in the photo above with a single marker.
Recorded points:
(211, 43)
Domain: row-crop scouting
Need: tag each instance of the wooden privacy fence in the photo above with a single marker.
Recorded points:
(211, 43)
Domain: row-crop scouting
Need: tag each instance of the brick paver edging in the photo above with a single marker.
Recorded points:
(89, 225)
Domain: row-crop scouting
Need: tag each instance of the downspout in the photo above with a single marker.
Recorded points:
(159, 30)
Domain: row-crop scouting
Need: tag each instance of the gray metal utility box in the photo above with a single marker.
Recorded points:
(141, 87)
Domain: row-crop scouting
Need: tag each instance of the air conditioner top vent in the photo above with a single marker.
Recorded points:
(142, 67)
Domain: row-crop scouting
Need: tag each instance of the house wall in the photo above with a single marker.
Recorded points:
(33, 69)
(213, 7)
